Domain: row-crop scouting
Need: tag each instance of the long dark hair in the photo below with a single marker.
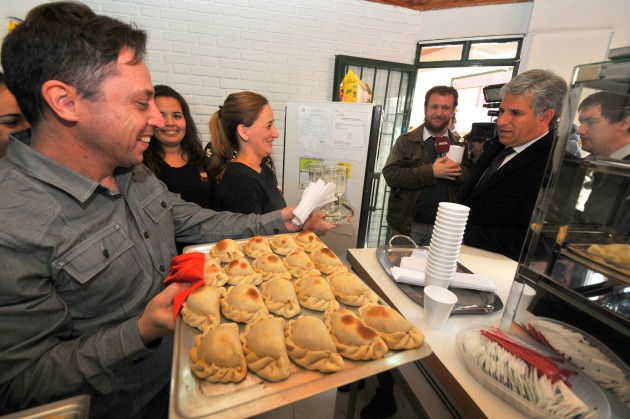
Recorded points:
(238, 108)
(191, 143)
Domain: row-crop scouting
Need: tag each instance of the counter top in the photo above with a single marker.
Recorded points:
(497, 267)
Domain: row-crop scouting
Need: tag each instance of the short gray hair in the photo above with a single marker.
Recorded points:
(546, 89)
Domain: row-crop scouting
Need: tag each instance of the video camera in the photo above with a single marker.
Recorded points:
(487, 130)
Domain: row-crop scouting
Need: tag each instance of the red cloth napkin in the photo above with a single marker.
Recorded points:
(186, 268)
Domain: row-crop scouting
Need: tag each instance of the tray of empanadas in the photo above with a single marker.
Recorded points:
(279, 319)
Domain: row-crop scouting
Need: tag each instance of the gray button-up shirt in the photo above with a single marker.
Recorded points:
(78, 264)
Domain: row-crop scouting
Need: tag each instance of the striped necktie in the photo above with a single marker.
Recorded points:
(495, 164)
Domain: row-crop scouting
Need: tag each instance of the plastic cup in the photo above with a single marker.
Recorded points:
(450, 229)
(443, 249)
(438, 305)
(450, 220)
(434, 281)
(453, 208)
(452, 242)
(441, 269)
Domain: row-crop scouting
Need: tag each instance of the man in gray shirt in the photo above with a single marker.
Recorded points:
(88, 232)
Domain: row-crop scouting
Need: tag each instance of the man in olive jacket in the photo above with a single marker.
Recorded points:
(419, 177)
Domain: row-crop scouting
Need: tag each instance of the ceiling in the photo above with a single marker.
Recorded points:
(443, 4)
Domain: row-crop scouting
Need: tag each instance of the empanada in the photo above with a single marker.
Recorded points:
(327, 262)
(283, 244)
(243, 303)
(310, 345)
(256, 247)
(226, 250)
(202, 308)
(353, 338)
(271, 266)
(240, 271)
(217, 355)
(213, 273)
(265, 350)
(280, 298)
(299, 264)
(350, 289)
(308, 241)
(397, 332)
(314, 292)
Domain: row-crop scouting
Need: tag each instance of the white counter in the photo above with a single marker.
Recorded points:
(497, 267)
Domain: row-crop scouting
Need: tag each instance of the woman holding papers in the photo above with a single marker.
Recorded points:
(242, 133)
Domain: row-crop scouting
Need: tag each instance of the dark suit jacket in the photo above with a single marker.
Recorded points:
(501, 208)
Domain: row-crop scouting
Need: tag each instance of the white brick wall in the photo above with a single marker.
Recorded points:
(283, 49)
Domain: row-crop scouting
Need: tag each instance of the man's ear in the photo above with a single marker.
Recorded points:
(546, 117)
(62, 99)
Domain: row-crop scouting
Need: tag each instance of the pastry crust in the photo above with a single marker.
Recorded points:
(314, 292)
(226, 250)
(280, 297)
(308, 241)
(618, 253)
(217, 355)
(213, 273)
(271, 266)
(310, 345)
(243, 303)
(299, 264)
(397, 332)
(282, 244)
(350, 289)
(265, 350)
(353, 338)
(202, 308)
(327, 262)
(240, 271)
(256, 247)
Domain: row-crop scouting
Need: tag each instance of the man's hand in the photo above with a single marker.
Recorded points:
(157, 319)
(318, 224)
(445, 168)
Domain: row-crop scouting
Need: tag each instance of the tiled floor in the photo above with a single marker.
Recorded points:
(334, 405)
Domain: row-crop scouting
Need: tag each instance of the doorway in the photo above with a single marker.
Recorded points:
(468, 65)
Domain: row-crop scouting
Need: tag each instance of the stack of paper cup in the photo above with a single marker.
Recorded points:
(446, 241)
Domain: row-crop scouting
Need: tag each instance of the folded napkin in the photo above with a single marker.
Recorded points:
(460, 279)
(315, 195)
(417, 261)
(186, 268)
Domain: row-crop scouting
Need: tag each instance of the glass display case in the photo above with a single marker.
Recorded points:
(575, 268)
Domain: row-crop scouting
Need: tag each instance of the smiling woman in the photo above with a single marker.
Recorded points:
(244, 126)
(175, 153)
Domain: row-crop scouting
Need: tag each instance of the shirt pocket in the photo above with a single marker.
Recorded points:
(87, 273)
(158, 205)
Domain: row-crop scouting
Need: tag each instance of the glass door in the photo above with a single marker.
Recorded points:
(392, 86)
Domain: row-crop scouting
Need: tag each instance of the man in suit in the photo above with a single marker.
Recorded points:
(504, 185)
(605, 132)
(419, 175)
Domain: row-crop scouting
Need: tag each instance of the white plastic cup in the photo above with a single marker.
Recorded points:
(438, 305)
(521, 295)
(456, 153)
(454, 209)
(431, 280)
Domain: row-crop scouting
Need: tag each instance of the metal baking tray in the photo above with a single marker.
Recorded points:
(468, 301)
(77, 407)
(195, 398)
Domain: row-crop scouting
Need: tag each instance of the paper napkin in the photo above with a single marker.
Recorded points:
(315, 195)
(460, 279)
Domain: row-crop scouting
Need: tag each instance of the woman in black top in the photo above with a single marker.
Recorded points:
(175, 153)
(242, 133)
